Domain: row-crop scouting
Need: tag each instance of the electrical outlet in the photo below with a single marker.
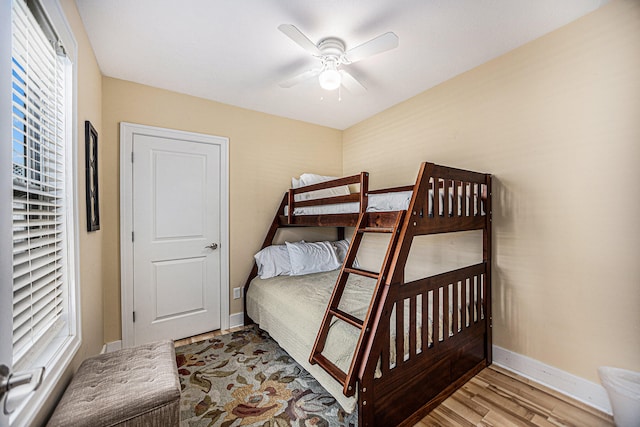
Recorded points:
(237, 293)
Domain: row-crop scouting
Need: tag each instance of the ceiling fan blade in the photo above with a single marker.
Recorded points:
(300, 78)
(352, 84)
(296, 35)
(384, 42)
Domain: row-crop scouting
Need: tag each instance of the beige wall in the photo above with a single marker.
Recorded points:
(89, 107)
(265, 152)
(557, 122)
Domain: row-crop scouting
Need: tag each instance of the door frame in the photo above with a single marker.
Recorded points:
(127, 132)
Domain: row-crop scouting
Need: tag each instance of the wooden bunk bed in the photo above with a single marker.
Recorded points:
(443, 351)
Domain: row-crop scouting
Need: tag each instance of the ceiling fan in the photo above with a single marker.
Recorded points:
(332, 55)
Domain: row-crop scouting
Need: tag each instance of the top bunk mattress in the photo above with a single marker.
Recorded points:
(387, 202)
(379, 202)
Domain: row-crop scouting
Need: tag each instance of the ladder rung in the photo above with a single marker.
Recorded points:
(332, 369)
(352, 320)
(365, 273)
(376, 230)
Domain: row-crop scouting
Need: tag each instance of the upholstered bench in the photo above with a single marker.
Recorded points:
(131, 387)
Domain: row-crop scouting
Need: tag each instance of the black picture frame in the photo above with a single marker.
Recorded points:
(91, 166)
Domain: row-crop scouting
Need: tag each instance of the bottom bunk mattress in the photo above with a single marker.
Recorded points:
(291, 309)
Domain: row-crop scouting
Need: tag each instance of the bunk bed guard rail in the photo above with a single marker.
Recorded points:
(361, 196)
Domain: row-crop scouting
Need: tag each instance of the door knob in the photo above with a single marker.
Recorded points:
(9, 381)
(213, 246)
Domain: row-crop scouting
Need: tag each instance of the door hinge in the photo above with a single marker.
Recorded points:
(132, 157)
(132, 236)
(134, 316)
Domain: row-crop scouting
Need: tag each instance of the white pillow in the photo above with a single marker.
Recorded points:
(307, 258)
(310, 179)
(273, 261)
(341, 247)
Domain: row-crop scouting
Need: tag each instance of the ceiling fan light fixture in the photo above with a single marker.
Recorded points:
(330, 78)
(332, 53)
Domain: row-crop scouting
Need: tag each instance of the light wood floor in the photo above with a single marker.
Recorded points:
(498, 397)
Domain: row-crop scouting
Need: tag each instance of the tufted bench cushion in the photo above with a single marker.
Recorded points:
(130, 387)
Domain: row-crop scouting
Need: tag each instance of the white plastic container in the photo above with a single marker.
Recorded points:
(623, 388)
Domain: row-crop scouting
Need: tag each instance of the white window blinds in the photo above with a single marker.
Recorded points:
(39, 190)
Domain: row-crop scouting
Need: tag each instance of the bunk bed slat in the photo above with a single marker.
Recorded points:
(446, 172)
(446, 308)
(399, 332)
(465, 207)
(455, 207)
(366, 273)
(456, 308)
(435, 211)
(332, 369)
(464, 311)
(425, 321)
(447, 209)
(350, 198)
(384, 355)
(352, 320)
(476, 297)
(338, 182)
(413, 350)
(437, 225)
(376, 230)
(435, 324)
(332, 220)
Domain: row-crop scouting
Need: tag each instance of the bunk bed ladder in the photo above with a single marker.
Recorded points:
(367, 223)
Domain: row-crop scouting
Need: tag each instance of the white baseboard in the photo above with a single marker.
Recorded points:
(235, 320)
(573, 386)
(111, 346)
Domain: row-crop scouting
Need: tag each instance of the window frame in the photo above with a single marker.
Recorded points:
(60, 352)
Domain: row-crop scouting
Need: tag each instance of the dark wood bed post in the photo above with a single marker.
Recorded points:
(364, 191)
(366, 404)
(268, 240)
(486, 250)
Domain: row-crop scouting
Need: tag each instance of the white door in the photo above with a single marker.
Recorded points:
(177, 239)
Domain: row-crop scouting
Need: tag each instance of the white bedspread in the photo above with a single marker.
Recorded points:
(291, 308)
(291, 311)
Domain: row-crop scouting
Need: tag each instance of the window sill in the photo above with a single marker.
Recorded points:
(29, 410)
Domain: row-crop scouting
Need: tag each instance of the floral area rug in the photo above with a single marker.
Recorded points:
(245, 379)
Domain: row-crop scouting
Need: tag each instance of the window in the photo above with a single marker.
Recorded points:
(39, 190)
(44, 303)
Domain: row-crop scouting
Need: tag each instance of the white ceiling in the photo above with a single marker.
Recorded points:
(231, 51)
